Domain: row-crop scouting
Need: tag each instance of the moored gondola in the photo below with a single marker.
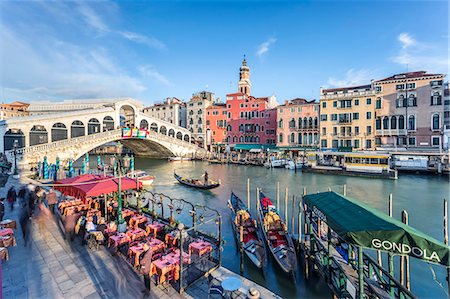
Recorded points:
(196, 183)
(252, 243)
(276, 235)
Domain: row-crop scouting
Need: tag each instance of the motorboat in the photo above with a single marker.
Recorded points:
(142, 176)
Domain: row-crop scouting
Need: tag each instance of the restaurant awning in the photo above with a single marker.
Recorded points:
(248, 146)
(364, 226)
(93, 185)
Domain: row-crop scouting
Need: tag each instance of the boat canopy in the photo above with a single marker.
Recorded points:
(358, 224)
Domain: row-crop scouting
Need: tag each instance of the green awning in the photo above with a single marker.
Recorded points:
(364, 226)
(296, 148)
(248, 146)
(2, 165)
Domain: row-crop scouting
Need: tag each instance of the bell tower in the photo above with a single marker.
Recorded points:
(244, 78)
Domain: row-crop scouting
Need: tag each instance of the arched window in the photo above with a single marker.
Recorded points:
(394, 122)
(299, 122)
(305, 122)
(186, 138)
(310, 122)
(143, 125)
(93, 126)
(154, 127)
(257, 139)
(108, 123)
(200, 121)
(300, 138)
(77, 129)
(411, 122)
(280, 123)
(292, 137)
(412, 101)
(401, 122)
(316, 123)
(179, 136)
(385, 123)
(436, 122)
(200, 130)
(229, 128)
(59, 132)
(305, 138)
(280, 138)
(199, 111)
(316, 138)
(171, 133)
(292, 123)
(10, 138)
(38, 135)
(310, 138)
(235, 139)
(241, 139)
(163, 130)
(378, 124)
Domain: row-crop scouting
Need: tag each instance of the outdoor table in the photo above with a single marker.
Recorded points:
(127, 213)
(161, 267)
(135, 252)
(8, 223)
(6, 241)
(154, 228)
(170, 240)
(200, 248)
(136, 233)
(156, 245)
(118, 240)
(231, 284)
(137, 219)
(175, 257)
(4, 253)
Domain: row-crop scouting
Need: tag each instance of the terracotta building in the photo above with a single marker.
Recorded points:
(410, 110)
(216, 124)
(298, 124)
(15, 109)
(347, 118)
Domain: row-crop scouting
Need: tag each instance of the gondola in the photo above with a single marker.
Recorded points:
(252, 240)
(195, 183)
(276, 235)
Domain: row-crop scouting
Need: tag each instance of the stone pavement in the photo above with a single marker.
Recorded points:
(50, 267)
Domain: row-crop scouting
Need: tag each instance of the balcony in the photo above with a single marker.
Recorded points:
(391, 132)
(348, 95)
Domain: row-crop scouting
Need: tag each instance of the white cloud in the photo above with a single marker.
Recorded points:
(418, 55)
(142, 39)
(265, 46)
(406, 40)
(56, 69)
(91, 18)
(352, 78)
(148, 71)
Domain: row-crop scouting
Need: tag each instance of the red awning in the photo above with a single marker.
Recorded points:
(94, 185)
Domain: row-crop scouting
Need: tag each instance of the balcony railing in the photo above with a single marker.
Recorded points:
(390, 132)
(348, 95)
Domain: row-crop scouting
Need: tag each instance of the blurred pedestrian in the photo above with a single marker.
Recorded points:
(69, 225)
(52, 200)
(11, 196)
(146, 264)
(2, 208)
(24, 218)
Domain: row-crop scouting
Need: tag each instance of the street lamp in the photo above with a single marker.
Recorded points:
(15, 146)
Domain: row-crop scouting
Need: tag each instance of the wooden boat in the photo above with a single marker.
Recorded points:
(142, 176)
(196, 183)
(275, 233)
(252, 241)
(179, 159)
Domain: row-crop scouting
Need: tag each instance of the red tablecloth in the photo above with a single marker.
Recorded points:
(136, 233)
(161, 267)
(118, 240)
(200, 248)
(154, 228)
(6, 232)
(137, 219)
(174, 257)
(127, 212)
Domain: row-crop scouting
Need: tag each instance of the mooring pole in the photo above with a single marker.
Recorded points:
(446, 241)
(360, 273)
(345, 189)
(278, 195)
(286, 209)
(300, 211)
(390, 255)
(293, 215)
(405, 220)
(248, 193)
(241, 241)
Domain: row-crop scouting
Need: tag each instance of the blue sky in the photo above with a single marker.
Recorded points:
(151, 50)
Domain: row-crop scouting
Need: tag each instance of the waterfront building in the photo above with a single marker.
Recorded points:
(250, 120)
(410, 110)
(172, 110)
(446, 137)
(196, 115)
(298, 124)
(14, 109)
(347, 118)
(216, 124)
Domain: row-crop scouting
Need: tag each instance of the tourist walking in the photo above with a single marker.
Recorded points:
(69, 225)
(146, 264)
(2, 208)
(52, 200)
(11, 196)
(24, 218)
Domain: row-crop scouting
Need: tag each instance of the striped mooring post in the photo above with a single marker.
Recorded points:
(45, 168)
(70, 168)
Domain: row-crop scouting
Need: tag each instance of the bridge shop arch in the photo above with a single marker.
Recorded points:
(127, 116)
(108, 123)
(59, 132)
(77, 129)
(93, 126)
(10, 138)
(38, 135)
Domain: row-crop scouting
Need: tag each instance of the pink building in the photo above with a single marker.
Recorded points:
(250, 120)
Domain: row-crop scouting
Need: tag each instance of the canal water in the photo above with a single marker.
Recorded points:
(421, 195)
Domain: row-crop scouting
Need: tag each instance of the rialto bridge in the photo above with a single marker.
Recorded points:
(70, 129)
